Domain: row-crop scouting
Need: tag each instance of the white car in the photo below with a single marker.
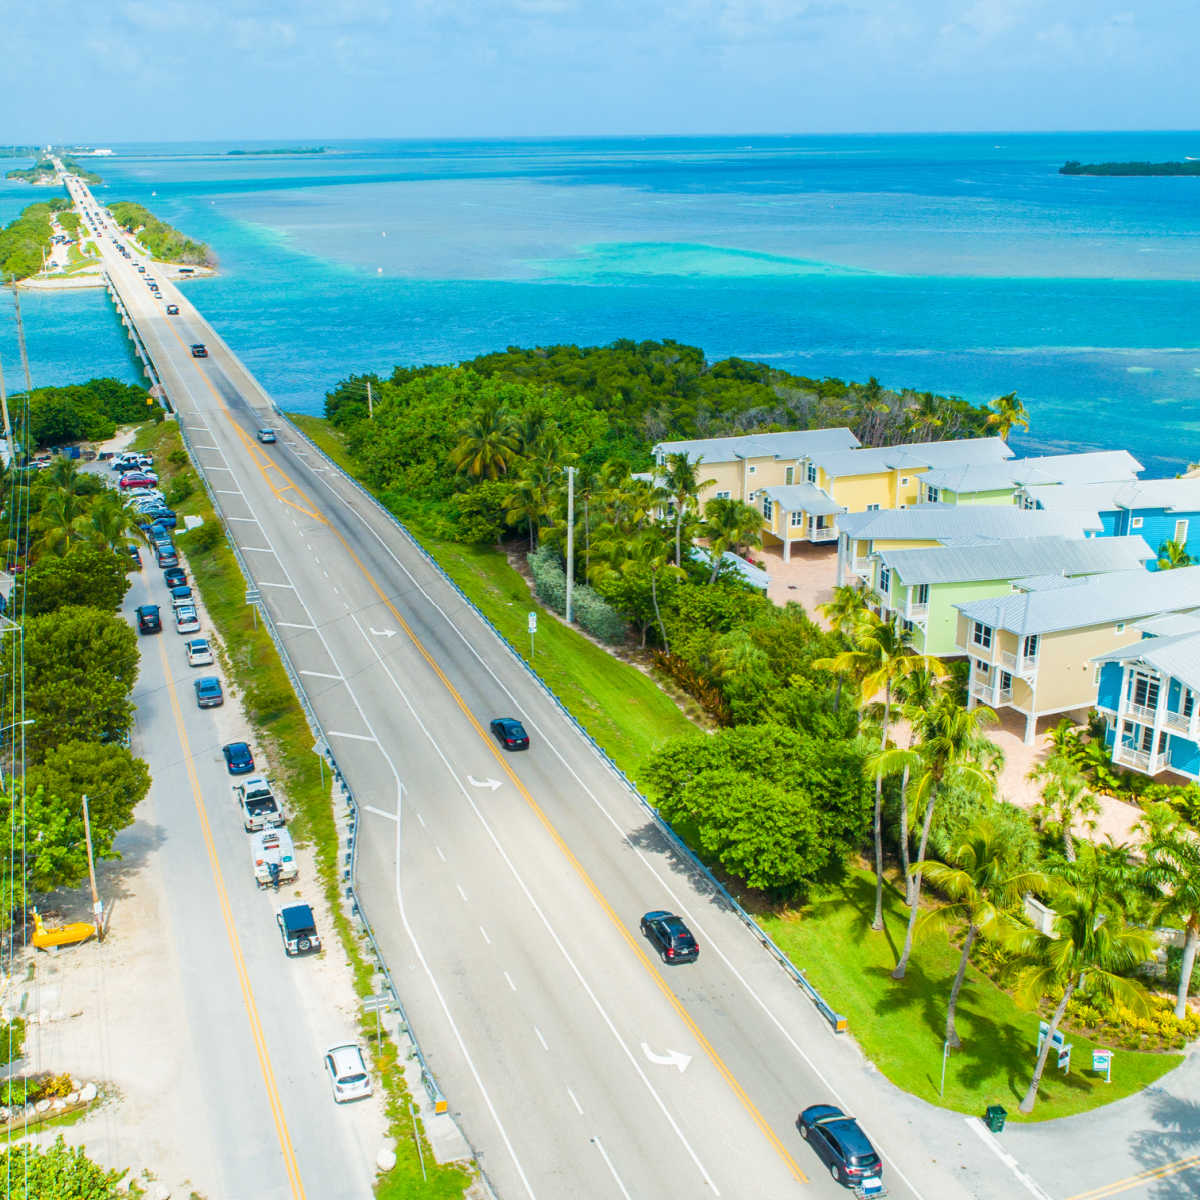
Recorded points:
(347, 1072)
(186, 620)
(199, 653)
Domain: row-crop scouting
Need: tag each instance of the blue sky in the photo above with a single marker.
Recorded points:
(197, 69)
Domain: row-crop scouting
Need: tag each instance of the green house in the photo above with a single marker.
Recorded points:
(997, 483)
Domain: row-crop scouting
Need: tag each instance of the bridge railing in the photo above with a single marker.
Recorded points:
(350, 855)
(837, 1022)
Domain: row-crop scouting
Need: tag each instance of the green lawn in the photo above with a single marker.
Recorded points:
(900, 1024)
(620, 706)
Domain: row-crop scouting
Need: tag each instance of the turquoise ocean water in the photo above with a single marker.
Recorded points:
(961, 264)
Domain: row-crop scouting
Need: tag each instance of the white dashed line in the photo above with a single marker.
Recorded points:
(293, 625)
(608, 1164)
(421, 819)
(460, 891)
(540, 1038)
(510, 981)
(380, 813)
(439, 853)
(575, 1101)
(357, 737)
(485, 936)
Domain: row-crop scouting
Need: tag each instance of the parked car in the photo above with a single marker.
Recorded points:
(172, 310)
(167, 555)
(186, 619)
(347, 1072)
(136, 479)
(672, 937)
(840, 1144)
(510, 733)
(181, 594)
(266, 435)
(208, 692)
(238, 758)
(148, 620)
(298, 928)
(199, 654)
(136, 555)
(259, 808)
(273, 858)
(174, 577)
(199, 350)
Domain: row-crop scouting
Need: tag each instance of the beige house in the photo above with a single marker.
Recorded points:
(1034, 650)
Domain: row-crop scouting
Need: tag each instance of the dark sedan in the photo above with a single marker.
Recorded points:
(840, 1144)
(672, 937)
(174, 577)
(148, 620)
(238, 758)
(510, 733)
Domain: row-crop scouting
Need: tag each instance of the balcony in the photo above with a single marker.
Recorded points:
(991, 694)
(826, 533)
(1177, 722)
(860, 567)
(1139, 713)
(1017, 664)
(1138, 760)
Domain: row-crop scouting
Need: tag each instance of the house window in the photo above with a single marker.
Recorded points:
(811, 472)
(932, 494)
(1029, 648)
(872, 508)
(885, 580)
(904, 481)
(981, 635)
(750, 499)
(789, 476)
(1096, 677)
(751, 470)
(767, 508)
(723, 496)
(1187, 702)
(1181, 528)
(920, 595)
(797, 518)
(906, 626)
(1144, 691)
(1136, 523)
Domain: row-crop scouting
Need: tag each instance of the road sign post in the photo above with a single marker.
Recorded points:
(253, 596)
(377, 1004)
(1064, 1058)
(532, 631)
(945, 1056)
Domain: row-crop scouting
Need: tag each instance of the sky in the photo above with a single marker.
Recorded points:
(177, 70)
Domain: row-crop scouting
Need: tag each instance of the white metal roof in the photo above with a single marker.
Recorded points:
(803, 497)
(940, 522)
(1174, 495)
(1093, 466)
(1178, 657)
(952, 452)
(791, 444)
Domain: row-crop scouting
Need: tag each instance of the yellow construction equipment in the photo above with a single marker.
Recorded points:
(61, 935)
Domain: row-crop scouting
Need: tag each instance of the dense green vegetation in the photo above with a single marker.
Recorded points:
(84, 411)
(165, 243)
(1130, 168)
(26, 238)
(66, 547)
(43, 172)
(59, 1172)
(284, 150)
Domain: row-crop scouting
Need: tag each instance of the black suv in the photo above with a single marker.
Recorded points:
(148, 620)
(672, 937)
(840, 1144)
(298, 929)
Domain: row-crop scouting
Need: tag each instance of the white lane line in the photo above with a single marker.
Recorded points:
(257, 550)
(324, 572)
(1007, 1159)
(357, 737)
(549, 926)
(459, 886)
(481, 929)
(293, 625)
(575, 1101)
(510, 981)
(255, 521)
(420, 818)
(197, 446)
(540, 1038)
(322, 675)
(439, 853)
(262, 583)
(228, 491)
(229, 469)
(380, 813)
(609, 1165)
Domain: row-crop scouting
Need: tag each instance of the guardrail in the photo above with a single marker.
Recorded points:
(350, 861)
(136, 338)
(837, 1022)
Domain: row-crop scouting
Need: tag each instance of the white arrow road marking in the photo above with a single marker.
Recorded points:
(389, 633)
(672, 1058)
(380, 813)
(487, 783)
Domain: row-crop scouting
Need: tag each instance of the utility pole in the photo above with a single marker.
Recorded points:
(4, 410)
(370, 402)
(97, 908)
(570, 538)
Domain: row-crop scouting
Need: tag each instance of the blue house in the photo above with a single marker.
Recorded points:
(1160, 510)
(1148, 696)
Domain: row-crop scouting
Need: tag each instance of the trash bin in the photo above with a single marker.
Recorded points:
(995, 1118)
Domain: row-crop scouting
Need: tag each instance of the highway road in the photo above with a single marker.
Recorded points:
(581, 1065)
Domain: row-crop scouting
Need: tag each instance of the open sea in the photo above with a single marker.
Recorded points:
(962, 264)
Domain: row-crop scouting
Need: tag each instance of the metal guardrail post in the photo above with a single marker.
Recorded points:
(837, 1022)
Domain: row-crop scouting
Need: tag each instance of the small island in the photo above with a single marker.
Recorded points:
(1188, 167)
(285, 150)
(163, 242)
(44, 174)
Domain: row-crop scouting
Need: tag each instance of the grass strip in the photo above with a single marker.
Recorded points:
(901, 1024)
(252, 662)
(622, 707)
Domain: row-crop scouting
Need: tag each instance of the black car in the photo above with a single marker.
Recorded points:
(199, 350)
(172, 310)
(510, 733)
(840, 1144)
(174, 577)
(238, 758)
(672, 937)
(298, 928)
(148, 620)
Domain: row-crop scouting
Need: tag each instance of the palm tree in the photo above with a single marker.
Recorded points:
(681, 484)
(951, 750)
(487, 446)
(1090, 949)
(1008, 413)
(882, 658)
(61, 520)
(917, 691)
(730, 525)
(984, 883)
(63, 474)
(1173, 866)
(1065, 800)
(528, 501)
(108, 522)
(1172, 554)
(649, 549)
(846, 609)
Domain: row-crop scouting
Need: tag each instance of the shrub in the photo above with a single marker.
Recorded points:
(549, 578)
(12, 1040)
(203, 537)
(597, 616)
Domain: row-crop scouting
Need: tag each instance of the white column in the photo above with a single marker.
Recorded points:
(1030, 729)
(842, 544)
(970, 683)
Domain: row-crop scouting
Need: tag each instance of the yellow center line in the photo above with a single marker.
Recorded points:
(1149, 1176)
(639, 952)
(256, 1029)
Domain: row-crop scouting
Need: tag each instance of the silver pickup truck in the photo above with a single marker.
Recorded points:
(260, 809)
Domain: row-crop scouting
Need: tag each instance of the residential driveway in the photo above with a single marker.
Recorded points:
(1146, 1146)
(808, 579)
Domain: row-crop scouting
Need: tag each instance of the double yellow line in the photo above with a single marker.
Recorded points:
(239, 962)
(1146, 1177)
